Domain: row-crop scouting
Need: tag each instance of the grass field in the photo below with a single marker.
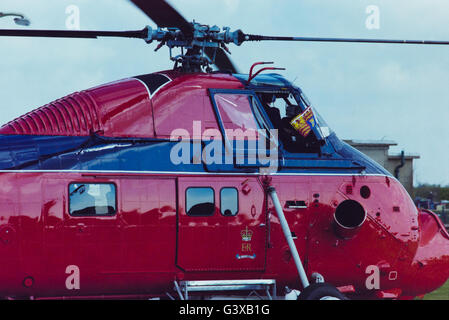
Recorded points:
(439, 294)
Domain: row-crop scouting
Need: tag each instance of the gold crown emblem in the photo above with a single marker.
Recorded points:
(246, 234)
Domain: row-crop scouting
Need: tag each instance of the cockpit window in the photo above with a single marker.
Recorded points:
(323, 128)
(235, 111)
(294, 119)
(282, 104)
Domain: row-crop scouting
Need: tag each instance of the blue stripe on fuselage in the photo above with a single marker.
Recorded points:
(94, 153)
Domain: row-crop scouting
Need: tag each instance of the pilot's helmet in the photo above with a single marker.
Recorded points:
(292, 110)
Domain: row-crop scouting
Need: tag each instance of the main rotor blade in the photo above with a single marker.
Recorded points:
(164, 15)
(222, 60)
(252, 37)
(139, 34)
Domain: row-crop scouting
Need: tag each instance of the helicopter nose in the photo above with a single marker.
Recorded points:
(430, 266)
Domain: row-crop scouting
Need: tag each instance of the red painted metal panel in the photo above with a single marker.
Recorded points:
(130, 252)
(429, 268)
(223, 243)
(119, 109)
(124, 109)
(279, 257)
(185, 100)
(134, 252)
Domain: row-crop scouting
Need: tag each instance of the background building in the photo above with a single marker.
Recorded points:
(399, 164)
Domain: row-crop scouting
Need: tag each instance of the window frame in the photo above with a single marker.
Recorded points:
(199, 187)
(303, 103)
(238, 204)
(92, 215)
(261, 119)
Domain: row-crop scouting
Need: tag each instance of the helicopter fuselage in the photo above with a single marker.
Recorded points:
(122, 189)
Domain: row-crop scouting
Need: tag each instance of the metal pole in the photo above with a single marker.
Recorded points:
(288, 237)
(178, 290)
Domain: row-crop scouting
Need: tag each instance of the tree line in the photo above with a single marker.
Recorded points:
(431, 191)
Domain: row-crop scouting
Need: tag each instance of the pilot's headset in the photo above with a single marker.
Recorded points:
(292, 110)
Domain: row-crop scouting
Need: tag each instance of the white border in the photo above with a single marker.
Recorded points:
(201, 173)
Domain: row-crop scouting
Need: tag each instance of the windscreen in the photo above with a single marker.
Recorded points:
(299, 124)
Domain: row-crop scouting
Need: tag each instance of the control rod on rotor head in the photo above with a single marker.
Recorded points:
(288, 236)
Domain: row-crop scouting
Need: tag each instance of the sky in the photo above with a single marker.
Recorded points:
(363, 91)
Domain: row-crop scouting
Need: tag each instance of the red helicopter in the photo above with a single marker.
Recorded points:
(188, 182)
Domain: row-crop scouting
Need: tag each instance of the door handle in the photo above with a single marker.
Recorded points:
(80, 227)
(262, 225)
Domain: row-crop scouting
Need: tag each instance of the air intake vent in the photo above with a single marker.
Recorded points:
(117, 109)
(74, 115)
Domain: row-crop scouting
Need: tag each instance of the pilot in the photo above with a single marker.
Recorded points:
(291, 111)
(292, 139)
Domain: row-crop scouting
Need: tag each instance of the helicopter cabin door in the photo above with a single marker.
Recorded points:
(221, 224)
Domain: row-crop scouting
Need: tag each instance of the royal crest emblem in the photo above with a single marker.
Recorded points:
(246, 234)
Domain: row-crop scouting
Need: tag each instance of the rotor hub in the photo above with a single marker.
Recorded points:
(198, 48)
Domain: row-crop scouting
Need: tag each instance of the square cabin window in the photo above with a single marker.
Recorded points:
(92, 199)
(200, 202)
(229, 201)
